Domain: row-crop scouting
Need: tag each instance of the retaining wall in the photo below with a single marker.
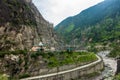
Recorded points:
(75, 73)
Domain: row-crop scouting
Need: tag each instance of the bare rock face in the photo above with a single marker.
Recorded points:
(22, 26)
(118, 66)
(28, 1)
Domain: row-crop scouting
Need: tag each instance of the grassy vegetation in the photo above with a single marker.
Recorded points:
(70, 28)
(65, 58)
(2, 77)
(55, 59)
(116, 51)
(117, 77)
(3, 53)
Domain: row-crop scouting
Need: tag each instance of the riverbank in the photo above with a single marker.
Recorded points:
(110, 67)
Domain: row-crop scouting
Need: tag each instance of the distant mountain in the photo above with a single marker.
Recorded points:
(99, 23)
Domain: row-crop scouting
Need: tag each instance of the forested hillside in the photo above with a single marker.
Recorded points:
(97, 24)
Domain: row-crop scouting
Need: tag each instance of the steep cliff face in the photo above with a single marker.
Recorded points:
(22, 26)
(44, 29)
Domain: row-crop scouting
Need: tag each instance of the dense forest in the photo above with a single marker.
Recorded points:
(97, 24)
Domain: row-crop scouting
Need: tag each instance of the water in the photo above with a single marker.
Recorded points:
(110, 67)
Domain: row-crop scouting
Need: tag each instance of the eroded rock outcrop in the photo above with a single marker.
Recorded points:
(22, 26)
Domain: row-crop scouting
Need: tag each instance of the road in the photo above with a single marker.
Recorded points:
(63, 72)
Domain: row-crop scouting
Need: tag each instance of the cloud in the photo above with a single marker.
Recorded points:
(56, 10)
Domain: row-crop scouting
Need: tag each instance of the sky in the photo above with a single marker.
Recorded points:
(55, 11)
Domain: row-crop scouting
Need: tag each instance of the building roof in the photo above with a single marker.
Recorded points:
(40, 44)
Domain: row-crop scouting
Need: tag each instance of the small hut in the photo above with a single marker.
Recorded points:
(38, 47)
(41, 46)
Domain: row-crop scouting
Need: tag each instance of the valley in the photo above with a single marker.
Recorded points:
(85, 46)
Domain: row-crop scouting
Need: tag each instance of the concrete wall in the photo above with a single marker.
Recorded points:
(73, 74)
(76, 74)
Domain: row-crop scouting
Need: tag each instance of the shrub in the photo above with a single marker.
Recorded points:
(33, 55)
(24, 52)
(117, 77)
(3, 77)
(3, 53)
(115, 52)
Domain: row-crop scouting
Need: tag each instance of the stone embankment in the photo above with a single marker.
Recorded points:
(74, 73)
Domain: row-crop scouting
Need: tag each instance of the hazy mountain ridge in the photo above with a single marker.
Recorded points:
(91, 21)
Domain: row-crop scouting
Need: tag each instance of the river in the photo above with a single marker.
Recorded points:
(110, 67)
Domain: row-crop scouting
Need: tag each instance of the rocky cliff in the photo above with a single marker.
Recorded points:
(22, 26)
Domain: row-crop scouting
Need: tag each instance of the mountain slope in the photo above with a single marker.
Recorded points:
(22, 26)
(95, 24)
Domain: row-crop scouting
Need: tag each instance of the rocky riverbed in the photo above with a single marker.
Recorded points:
(110, 67)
